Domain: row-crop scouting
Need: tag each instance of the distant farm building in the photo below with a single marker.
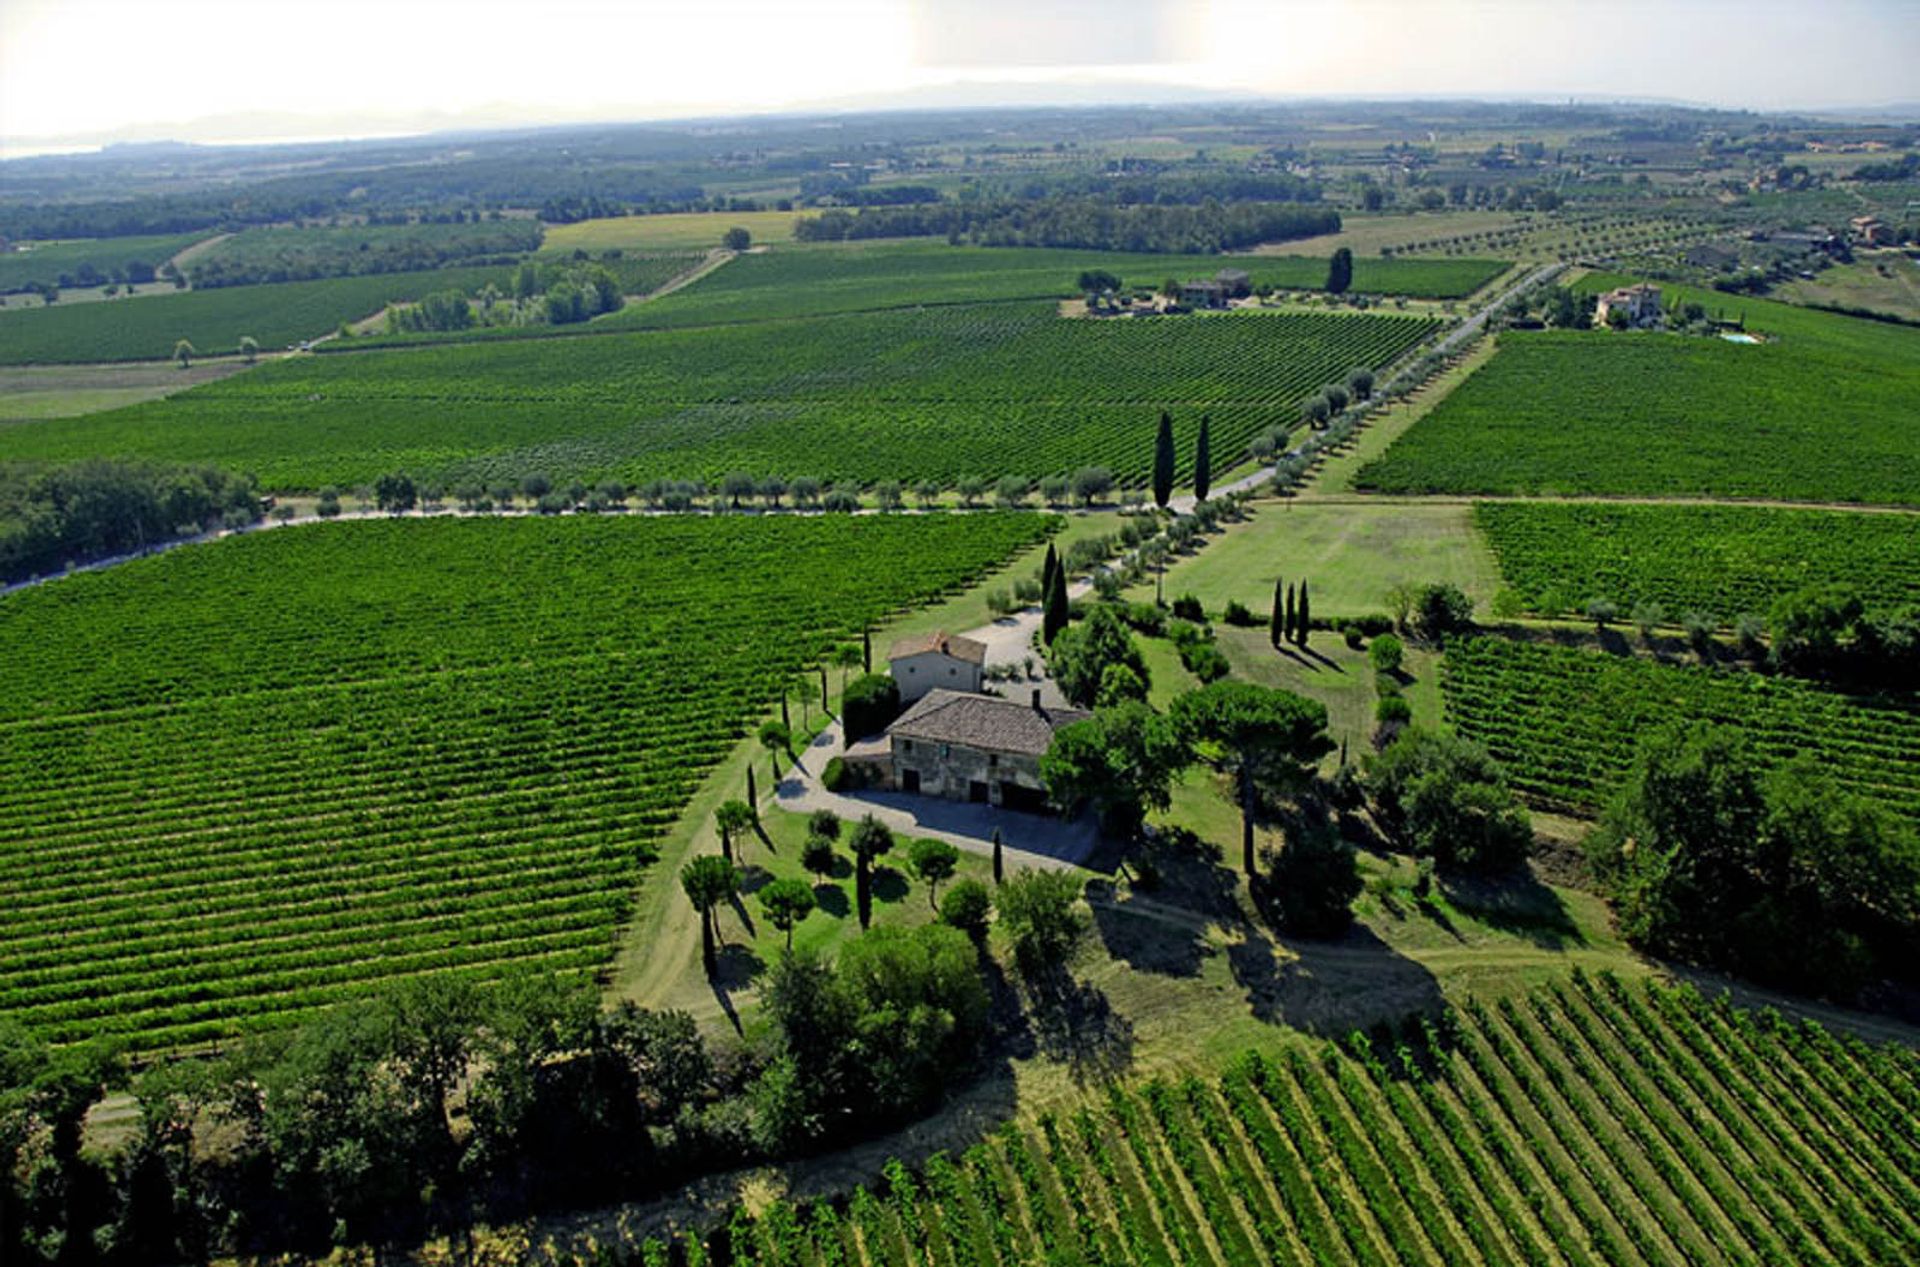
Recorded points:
(1203, 292)
(1640, 304)
(936, 660)
(1213, 292)
(977, 748)
(1871, 230)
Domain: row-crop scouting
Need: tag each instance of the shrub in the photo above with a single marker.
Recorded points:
(1187, 607)
(967, 906)
(1311, 884)
(1238, 615)
(1205, 661)
(1441, 611)
(1147, 618)
(1354, 638)
(834, 777)
(871, 703)
(1386, 654)
(824, 822)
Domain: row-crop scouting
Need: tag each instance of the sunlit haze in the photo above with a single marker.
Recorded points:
(94, 71)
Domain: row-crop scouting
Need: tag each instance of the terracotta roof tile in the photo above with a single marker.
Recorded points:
(986, 722)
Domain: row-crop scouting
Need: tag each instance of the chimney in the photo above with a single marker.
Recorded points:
(1036, 699)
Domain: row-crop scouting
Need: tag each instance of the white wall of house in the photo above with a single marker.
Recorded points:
(915, 675)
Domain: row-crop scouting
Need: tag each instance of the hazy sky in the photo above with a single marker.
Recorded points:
(104, 68)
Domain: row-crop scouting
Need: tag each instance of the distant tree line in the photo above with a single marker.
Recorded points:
(53, 516)
(1079, 223)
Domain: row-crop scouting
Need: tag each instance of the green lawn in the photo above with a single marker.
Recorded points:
(1350, 554)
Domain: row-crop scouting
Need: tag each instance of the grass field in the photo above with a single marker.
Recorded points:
(1722, 561)
(1350, 553)
(1880, 281)
(673, 232)
(916, 395)
(29, 392)
(1821, 412)
(214, 321)
(107, 256)
(245, 780)
(1565, 722)
(1365, 235)
(1591, 1121)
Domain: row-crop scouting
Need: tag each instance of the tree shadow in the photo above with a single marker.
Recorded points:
(889, 885)
(1132, 933)
(753, 878)
(1074, 1023)
(734, 968)
(832, 899)
(1517, 904)
(1330, 987)
(740, 908)
(1191, 874)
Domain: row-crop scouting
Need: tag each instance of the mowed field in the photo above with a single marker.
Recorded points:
(1823, 411)
(1591, 1121)
(934, 395)
(1719, 561)
(1349, 554)
(214, 321)
(1565, 722)
(29, 392)
(675, 231)
(242, 781)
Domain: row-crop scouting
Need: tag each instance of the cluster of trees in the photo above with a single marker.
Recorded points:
(1333, 399)
(343, 1130)
(54, 516)
(1164, 461)
(1076, 222)
(1782, 876)
(1292, 616)
(1442, 797)
(1830, 632)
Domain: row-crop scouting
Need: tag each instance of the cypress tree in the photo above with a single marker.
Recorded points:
(1047, 569)
(823, 688)
(1286, 626)
(1054, 619)
(1202, 462)
(753, 799)
(1276, 628)
(1163, 462)
(866, 650)
(1340, 271)
(999, 864)
(786, 718)
(1302, 617)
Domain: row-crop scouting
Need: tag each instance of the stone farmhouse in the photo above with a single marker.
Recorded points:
(1640, 303)
(978, 748)
(937, 659)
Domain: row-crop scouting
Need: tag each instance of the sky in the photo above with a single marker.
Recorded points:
(91, 71)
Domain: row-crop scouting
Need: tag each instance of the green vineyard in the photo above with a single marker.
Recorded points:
(214, 321)
(1593, 1123)
(1719, 561)
(242, 781)
(802, 281)
(935, 395)
(1564, 723)
(1820, 412)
